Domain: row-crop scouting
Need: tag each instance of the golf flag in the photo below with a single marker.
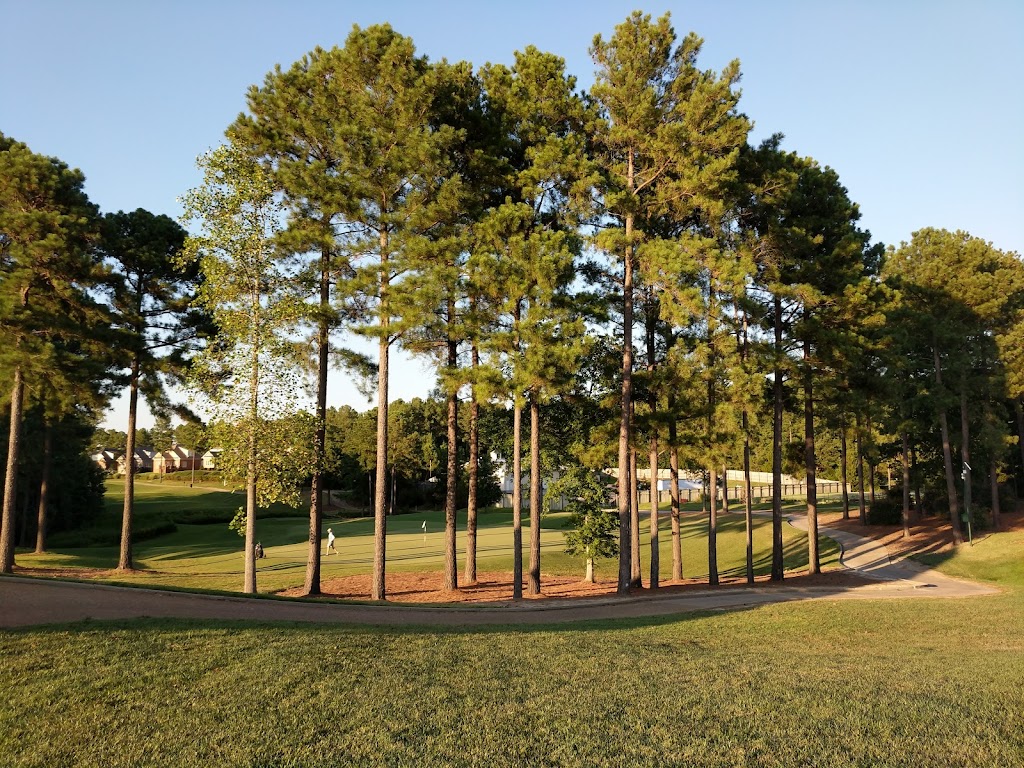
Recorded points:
(424, 526)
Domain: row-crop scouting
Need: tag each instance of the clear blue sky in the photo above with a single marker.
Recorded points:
(919, 106)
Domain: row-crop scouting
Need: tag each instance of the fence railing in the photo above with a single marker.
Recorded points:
(760, 494)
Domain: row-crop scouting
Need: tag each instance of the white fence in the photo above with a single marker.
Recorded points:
(760, 494)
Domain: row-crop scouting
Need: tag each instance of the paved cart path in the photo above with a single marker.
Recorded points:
(27, 601)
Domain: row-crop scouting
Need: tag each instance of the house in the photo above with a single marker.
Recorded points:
(503, 474)
(143, 461)
(210, 459)
(175, 459)
(106, 459)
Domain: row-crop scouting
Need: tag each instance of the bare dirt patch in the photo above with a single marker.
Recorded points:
(496, 587)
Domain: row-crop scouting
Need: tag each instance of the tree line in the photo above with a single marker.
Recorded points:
(619, 273)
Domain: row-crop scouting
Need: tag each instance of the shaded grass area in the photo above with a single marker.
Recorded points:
(887, 683)
(160, 507)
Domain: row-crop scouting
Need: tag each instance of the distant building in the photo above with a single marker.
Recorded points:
(211, 459)
(175, 460)
(106, 459)
(143, 461)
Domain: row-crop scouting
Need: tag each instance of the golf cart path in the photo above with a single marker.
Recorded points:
(28, 601)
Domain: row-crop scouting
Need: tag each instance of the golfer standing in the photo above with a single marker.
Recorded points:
(330, 542)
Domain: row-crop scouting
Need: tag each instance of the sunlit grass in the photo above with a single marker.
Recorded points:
(887, 683)
(874, 683)
(209, 556)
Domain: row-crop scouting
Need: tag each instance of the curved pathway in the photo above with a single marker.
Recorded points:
(27, 602)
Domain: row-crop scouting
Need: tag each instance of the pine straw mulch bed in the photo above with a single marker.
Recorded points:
(928, 535)
(496, 587)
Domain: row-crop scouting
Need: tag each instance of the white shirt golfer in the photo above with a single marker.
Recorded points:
(330, 542)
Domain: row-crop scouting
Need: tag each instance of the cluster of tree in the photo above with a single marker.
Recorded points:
(89, 303)
(625, 251)
(600, 275)
(48, 364)
(161, 436)
(417, 460)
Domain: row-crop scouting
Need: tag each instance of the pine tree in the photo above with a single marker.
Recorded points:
(547, 181)
(47, 225)
(150, 295)
(661, 114)
(958, 295)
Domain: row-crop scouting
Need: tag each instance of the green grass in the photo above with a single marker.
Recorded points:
(886, 683)
(925, 682)
(209, 556)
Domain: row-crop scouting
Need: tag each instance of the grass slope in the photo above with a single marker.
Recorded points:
(856, 683)
(895, 683)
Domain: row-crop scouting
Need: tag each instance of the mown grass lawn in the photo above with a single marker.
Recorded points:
(875, 683)
(209, 555)
(909, 683)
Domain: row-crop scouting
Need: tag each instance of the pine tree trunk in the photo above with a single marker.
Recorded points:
(965, 453)
(810, 463)
(655, 553)
(474, 468)
(843, 458)
(378, 589)
(1018, 407)
(777, 393)
(636, 567)
(748, 509)
(860, 474)
(533, 585)
(677, 544)
(125, 560)
(916, 480)
(451, 565)
(393, 495)
(947, 460)
(725, 489)
(517, 501)
(316, 510)
(44, 488)
(652, 402)
(713, 527)
(994, 479)
(872, 467)
(905, 456)
(625, 423)
(10, 479)
(947, 457)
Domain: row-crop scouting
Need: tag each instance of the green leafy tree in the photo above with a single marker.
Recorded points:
(813, 264)
(592, 523)
(108, 439)
(248, 374)
(47, 226)
(150, 294)
(960, 295)
(656, 106)
(294, 125)
(192, 435)
(67, 403)
(396, 166)
(540, 336)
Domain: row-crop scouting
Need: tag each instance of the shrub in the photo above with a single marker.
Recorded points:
(885, 511)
